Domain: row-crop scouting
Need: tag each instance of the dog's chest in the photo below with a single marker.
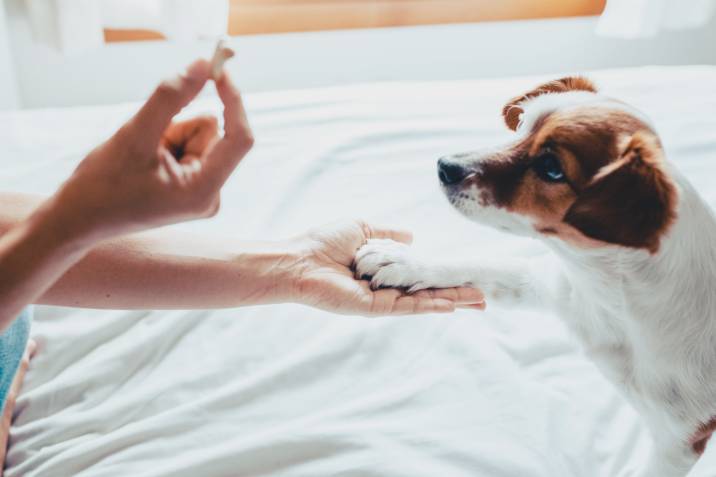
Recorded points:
(646, 371)
(606, 343)
(611, 338)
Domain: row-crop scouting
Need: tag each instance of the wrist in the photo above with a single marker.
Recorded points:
(57, 227)
(270, 272)
(74, 215)
(290, 270)
(293, 265)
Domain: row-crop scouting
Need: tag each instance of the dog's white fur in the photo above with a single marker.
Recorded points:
(537, 106)
(648, 321)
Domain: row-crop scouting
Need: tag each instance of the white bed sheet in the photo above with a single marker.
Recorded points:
(290, 391)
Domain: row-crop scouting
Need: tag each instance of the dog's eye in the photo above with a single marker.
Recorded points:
(548, 168)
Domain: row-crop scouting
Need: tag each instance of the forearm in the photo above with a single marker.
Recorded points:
(34, 253)
(161, 270)
(169, 269)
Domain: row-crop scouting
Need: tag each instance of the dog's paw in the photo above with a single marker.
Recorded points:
(391, 264)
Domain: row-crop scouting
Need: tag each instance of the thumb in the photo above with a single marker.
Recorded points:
(170, 97)
(379, 232)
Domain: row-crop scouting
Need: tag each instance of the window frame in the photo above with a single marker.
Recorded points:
(253, 17)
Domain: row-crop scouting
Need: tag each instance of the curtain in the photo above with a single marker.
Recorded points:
(645, 18)
(73, 26)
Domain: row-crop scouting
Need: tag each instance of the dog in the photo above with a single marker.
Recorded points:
(635, 271)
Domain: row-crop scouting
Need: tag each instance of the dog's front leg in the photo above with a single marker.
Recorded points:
(511, 281)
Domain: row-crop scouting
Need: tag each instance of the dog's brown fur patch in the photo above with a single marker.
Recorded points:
(701, 437)
(630, 202)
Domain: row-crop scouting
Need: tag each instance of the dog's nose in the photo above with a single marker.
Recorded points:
(451, 172)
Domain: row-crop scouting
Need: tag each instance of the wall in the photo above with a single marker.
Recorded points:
(8, 87)
(122, 72)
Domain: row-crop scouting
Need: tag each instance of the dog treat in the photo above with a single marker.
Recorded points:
(221, 54)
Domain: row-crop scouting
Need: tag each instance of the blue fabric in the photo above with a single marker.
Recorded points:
(12, 346)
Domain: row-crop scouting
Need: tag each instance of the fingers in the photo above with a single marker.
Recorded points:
(461, 296)
(391, 301)
(378, 232)
(16, 385)
(238, 138)
(168, 99)
(411, 304)
(191, 137)
(236, 123)
(22, 369)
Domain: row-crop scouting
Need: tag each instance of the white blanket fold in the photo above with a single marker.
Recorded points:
(291, 391)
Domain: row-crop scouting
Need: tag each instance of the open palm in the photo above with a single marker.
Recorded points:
(326, 279)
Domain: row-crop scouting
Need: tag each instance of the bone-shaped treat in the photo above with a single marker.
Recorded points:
(221, 54)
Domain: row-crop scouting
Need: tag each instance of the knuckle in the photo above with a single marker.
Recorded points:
(213, 209)
(205, 206)
(200, 207)
(209, 121)
(242, 142)
(249, 139)
(245, 139)
(25, 362)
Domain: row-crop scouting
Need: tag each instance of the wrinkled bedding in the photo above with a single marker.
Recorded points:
(290, 391)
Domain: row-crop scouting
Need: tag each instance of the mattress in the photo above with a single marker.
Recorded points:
(286, 390)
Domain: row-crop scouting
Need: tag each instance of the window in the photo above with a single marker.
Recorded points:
(249, 17)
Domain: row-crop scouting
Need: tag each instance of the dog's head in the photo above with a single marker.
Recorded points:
(585, 169)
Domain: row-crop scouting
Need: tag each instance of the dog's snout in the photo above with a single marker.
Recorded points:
(451, 172)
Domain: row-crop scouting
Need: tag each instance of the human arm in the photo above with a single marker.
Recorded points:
(162, 269)
(138, 179)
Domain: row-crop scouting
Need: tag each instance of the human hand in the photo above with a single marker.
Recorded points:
(154, 171)
(324, 278)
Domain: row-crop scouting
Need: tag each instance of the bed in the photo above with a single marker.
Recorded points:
(290, 391)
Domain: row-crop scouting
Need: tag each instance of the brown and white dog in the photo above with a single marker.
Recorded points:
(636, 279)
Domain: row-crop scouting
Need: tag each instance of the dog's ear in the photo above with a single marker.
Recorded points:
(512, 110)
(629, 202)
